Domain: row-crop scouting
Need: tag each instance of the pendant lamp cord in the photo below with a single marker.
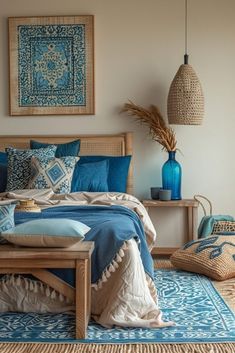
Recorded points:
(186, 32)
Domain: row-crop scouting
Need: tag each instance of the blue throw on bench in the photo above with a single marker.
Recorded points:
(110, 226)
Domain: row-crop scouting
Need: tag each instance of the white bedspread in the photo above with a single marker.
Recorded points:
(126, 297)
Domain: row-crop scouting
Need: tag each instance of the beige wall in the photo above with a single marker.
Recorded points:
(139, 46)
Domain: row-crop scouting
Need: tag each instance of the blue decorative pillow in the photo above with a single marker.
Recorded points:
(18, 170)
(91, 177)
(63, 149)
(3, 157)
(54, 173)
(6, 220)
(3, 171)
(118, 170)
(51, 232)
(3, 177)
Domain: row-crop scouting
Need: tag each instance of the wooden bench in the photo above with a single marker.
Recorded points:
(35, 261)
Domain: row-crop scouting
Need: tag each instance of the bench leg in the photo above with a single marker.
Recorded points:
(82, 296)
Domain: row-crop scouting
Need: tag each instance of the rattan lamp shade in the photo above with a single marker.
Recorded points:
(185, 103)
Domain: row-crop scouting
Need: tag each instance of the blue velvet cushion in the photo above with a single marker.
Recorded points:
(63, 149)
(118, 170)
(91, 177)
(3, 157)
(3, 171)
(3, 177)
(47, 233)
(6, 219)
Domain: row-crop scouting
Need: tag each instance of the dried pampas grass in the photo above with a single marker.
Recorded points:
(158, 129)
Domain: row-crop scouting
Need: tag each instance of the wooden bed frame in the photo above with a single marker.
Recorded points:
(109, 145)
(36, 261)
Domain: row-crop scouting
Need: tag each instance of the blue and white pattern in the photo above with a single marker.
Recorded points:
(52, 65)
(213, 250)
(6, 220)
(54, 173)
(190, 300)
(19, 169)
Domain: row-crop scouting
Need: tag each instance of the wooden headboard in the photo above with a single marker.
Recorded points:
(109, 145)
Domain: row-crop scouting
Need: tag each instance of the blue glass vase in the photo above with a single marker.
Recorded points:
(171, 176)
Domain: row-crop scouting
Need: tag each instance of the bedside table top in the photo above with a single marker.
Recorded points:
(172, 203)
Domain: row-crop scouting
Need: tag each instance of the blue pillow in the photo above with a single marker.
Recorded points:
(118, 170)
(6, 219)
(51, 232)
(91, 177)
(3, 177)
(3, 171)
(63, 149)
(3, 157)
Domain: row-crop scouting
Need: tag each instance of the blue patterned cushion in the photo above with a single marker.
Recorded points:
(92, 177)
(6, 219)
(54, 173)
(63, 149)
(213, 256)
(18, 170)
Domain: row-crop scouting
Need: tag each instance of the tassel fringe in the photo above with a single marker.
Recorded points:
(31, 285)
(111, 268)
(118, 348)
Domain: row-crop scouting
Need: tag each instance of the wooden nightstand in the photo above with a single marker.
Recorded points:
(191, 220)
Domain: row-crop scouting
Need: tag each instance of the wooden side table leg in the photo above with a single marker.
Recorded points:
(81, 298)
(190, 223)
(195, 222)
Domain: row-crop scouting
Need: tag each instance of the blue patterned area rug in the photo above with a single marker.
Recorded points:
(191, 301)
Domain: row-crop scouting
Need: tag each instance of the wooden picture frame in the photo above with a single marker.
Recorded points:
(51, 65)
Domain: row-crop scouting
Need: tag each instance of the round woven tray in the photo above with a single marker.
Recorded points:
(27, 206)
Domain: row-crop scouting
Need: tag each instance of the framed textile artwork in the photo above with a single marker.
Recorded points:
(51, 65)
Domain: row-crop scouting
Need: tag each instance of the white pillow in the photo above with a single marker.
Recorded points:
(51, 233)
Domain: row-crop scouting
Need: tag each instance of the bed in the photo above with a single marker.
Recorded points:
(123, 292)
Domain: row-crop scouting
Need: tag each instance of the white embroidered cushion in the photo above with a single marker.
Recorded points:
(54, 173)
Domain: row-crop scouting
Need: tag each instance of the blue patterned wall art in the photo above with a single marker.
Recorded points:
(51, 65)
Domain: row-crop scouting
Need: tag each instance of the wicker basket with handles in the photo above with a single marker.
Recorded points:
(219, 226)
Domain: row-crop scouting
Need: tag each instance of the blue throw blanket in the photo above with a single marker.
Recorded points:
(110, 227)
(207, 223)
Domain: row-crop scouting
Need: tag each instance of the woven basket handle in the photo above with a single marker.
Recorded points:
(198, 197)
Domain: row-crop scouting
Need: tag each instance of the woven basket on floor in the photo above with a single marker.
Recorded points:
(219, 226)
(185, 103)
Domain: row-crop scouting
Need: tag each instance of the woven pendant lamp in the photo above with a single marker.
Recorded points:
(185, 103)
